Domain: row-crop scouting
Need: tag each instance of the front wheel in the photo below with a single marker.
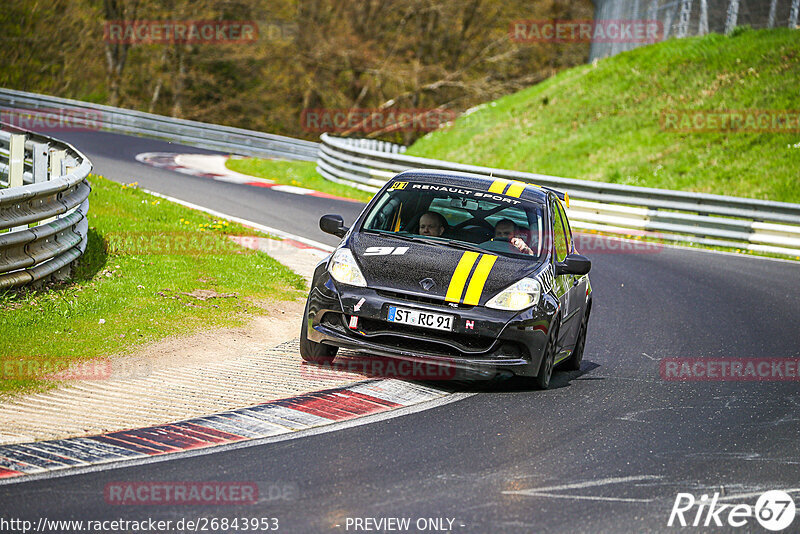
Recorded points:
(312, 351)
(573, 363)
(542, 380)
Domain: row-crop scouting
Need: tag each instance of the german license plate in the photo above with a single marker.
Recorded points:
(424, 319)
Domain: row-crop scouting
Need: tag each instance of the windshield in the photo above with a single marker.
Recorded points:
(460, 217)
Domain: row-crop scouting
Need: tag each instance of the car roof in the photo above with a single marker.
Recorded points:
(530, 192)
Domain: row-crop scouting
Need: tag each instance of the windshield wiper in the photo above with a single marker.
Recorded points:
(431, 239)
(455, 243)
(464, 245)
(404, 237)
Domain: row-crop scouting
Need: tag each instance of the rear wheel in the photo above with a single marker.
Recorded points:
(573, 363)
(312, 351)
(542, 380)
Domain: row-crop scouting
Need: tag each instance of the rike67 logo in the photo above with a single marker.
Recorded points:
(774, 510)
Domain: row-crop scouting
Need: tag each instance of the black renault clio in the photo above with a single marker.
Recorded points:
(463, 270)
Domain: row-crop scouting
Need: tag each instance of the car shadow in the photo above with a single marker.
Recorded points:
(505, 383)
(446, 378)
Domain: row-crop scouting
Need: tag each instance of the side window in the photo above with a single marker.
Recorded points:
(386, 217)
(559, 236)
(566, 226)
(390, 211)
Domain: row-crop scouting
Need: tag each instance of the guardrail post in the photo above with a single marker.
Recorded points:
(16, 160)
(57, 163)
(56, 171)
(41, 152)
(16, 164)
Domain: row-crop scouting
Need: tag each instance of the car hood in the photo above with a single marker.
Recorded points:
(457, 275)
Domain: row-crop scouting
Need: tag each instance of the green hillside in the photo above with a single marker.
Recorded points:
(604, 121)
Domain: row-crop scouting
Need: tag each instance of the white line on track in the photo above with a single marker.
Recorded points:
(582, 497)
(588, 484)
(547, 491)
(753, 494)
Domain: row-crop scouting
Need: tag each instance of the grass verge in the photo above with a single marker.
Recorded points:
(297, 173)
(603, 122)
(151, 269)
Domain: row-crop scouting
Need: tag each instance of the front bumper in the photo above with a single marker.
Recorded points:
(482, 340)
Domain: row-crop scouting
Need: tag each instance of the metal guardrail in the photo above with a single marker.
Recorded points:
(717, 220)
(192, 133)
(44, 200)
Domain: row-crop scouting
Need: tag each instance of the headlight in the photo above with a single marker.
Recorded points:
(519, 296)
(343, 268)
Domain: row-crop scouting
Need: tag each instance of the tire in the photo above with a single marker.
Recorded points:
(311, 351)
(573, 363)
(542, 380)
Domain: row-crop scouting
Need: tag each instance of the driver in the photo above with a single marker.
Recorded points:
(432, 224)
(506, 230)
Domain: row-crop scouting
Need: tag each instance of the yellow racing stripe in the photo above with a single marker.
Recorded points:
(478, 280)
(498, 186)
(459, 279)
(516, 189)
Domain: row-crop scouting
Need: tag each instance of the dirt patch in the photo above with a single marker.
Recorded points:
(279, 323)
(206, 294)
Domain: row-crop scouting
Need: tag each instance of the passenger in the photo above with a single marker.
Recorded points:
(432, 224)
(507, 230)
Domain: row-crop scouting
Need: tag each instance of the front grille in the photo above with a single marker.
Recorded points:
(436, 301)
(416, 345)
(406, 337)
(471, 343)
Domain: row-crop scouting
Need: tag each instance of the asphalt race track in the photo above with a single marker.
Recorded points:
(607, 449)
(113, 156)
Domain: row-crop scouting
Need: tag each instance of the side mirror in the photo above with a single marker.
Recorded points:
(574, 264)
(333, 224)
